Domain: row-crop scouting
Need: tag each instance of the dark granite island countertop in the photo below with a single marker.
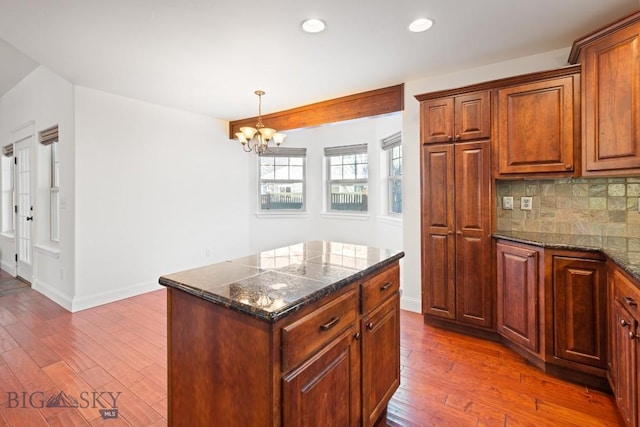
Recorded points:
(274, 283)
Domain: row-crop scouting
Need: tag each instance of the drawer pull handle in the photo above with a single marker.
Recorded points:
(386, 286)
(624, 323)
(629, 301)
(330, 324)
(370, 326)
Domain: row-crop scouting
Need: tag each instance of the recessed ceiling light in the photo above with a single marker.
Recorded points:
(313, 25)
(420, 25)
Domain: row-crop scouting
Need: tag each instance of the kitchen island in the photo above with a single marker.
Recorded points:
(306, 334)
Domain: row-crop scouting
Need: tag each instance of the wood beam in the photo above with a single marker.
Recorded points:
(364, 104)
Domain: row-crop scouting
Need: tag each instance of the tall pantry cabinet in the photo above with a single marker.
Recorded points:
(456, 210)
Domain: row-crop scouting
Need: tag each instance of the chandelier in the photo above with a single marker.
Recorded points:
(257, 139)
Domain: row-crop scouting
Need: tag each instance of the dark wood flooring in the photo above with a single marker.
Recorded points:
(447, 379)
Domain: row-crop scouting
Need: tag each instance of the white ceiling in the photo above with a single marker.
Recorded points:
(209, 56)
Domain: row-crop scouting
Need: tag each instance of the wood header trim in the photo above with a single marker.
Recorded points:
(582, 42)
(497, 84)
(364, 104)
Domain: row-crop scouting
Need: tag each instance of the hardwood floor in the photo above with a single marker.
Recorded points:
(447, 379)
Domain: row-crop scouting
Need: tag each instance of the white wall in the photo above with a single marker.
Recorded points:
(411, 150)
(158, 190)
(45, 99)
(373, 229)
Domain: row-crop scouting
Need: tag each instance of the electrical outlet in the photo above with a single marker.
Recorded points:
(507, 202)
(525, 203)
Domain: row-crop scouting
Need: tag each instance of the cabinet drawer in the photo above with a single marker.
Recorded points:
(626, 293)
(379, 288)
(314, 331)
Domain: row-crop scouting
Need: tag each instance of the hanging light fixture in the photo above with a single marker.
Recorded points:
(257, 139)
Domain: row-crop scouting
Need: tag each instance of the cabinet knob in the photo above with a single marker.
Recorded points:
(459, 233)
(531, 254)
(632, 336)
(369, 326)
(449, 138)
(629, 301)
(356, 336)
(457, 137)
(449, 232)
(568, 167)
(624, 323)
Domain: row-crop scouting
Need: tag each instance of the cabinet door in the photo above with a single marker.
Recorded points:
(472, 116)
(438, 244)
(517, 280)
(436, 120)
(380, 359)
(611, 103)
(473, 243)
(324, 390)
(625, 391)
(535, 127)
(579, 310)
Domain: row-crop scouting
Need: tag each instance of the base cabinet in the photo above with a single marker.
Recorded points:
(624, 326)
(334, 362)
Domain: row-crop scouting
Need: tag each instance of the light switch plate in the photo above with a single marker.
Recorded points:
(507, 202)
(525, 203)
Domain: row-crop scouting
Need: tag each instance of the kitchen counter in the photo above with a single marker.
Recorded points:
(281, 336)
(625, 252)
(272, 284)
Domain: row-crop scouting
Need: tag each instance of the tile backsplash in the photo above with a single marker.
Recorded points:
(585, 206)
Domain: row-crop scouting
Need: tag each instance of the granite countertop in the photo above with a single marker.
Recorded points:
(271, 284)
(624, 251)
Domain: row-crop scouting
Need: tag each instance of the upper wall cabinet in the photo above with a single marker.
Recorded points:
(538, 125)
(610, 59)
(464, 117)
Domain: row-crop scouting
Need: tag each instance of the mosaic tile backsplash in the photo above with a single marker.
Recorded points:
(583, 206)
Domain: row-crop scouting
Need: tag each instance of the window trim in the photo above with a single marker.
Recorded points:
(388, 144)
(341, 151)
(288, 152)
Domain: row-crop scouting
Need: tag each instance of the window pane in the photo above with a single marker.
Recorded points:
(336, 172)
(283, 161)
(335, 160)
(296, 172)
(296, 161)
(361, 158)
(265, 161)
(281, 196)
(266, 172)
(349, 158)
(396, 195)
(362, 171)
(395, 167)
(348, 197)
(282, 172)
(348, 172)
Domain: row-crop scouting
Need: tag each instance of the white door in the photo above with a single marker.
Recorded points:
(24, 208)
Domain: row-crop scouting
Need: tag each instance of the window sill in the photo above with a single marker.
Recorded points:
(346, 216)
(7, 236)
(47, 250)
(391, 220)
(282, 214)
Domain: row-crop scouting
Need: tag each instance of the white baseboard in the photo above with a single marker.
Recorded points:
(89, 301)
(411, 304)
(9, 268)
(60, 298)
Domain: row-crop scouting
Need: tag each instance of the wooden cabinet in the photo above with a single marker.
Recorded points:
(610, 59)
(518, 287)
(579, 311)
(456, 243)
(465, 117)
(538, 125)
(333, 362)
(324, 390)
(380, 359)
(624, 323)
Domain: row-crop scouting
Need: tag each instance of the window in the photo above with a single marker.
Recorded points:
(55, 196)
(7, 189)
(282, 180)
(393, 146)
(347, 178)
(49, 138)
